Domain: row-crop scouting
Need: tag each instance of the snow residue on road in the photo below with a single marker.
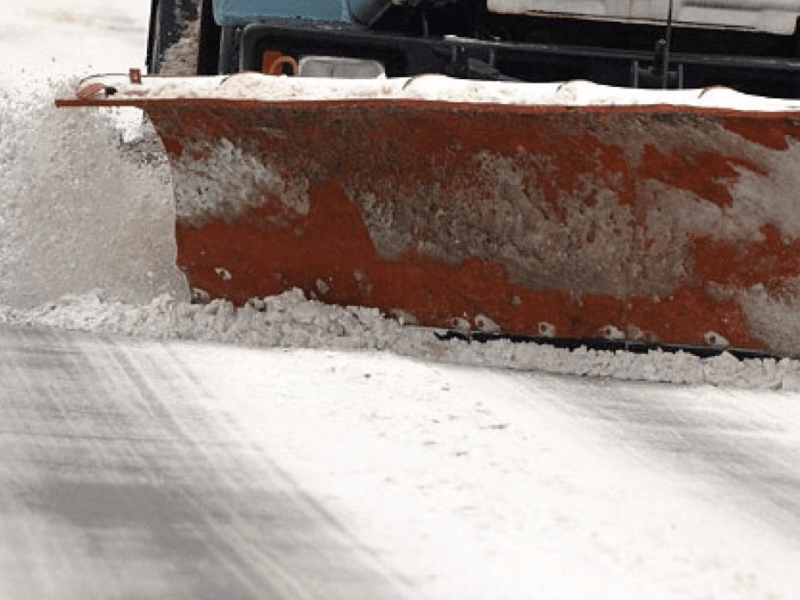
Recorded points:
(291, 320)
(493, 486)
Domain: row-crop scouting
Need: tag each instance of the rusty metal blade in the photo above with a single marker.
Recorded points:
(673, 224)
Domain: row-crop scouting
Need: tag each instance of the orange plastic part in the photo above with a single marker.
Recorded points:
(273, 62)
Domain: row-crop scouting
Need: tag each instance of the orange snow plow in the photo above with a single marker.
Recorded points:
(675, 224)
(551, 210)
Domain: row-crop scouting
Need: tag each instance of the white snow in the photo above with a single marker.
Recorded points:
(255, 86)
(74, 210)
(487, 485)
(292, 321)
(466, 467)
(39, 39)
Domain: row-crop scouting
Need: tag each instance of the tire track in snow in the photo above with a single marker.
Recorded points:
(744, 446)
(118, 482)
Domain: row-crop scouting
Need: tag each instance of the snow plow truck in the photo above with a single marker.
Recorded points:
(551, 169)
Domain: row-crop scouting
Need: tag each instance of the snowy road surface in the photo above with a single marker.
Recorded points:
(120, 479)
(145, 469)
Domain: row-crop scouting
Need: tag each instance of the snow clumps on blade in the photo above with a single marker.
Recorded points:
(291, 320)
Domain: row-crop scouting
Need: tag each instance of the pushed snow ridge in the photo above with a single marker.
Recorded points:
(290, 320)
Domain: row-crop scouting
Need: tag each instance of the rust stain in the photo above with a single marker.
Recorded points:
(772, 263)
(707, 174)
(776, 134)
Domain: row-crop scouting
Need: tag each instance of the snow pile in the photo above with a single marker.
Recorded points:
(75, 212)
(431, 88)
(290, 320)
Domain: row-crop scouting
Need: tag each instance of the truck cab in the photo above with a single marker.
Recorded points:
(743, 44)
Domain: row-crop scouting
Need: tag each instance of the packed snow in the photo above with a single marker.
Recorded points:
(293, 321)
(429, 87)
(485, 488)
(464, 465)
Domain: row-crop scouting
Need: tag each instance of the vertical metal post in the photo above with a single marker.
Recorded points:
(665, 65)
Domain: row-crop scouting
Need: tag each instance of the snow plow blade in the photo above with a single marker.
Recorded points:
(572, 211)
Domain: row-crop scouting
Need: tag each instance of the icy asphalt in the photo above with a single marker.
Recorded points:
(122, 477)
(137, 468)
